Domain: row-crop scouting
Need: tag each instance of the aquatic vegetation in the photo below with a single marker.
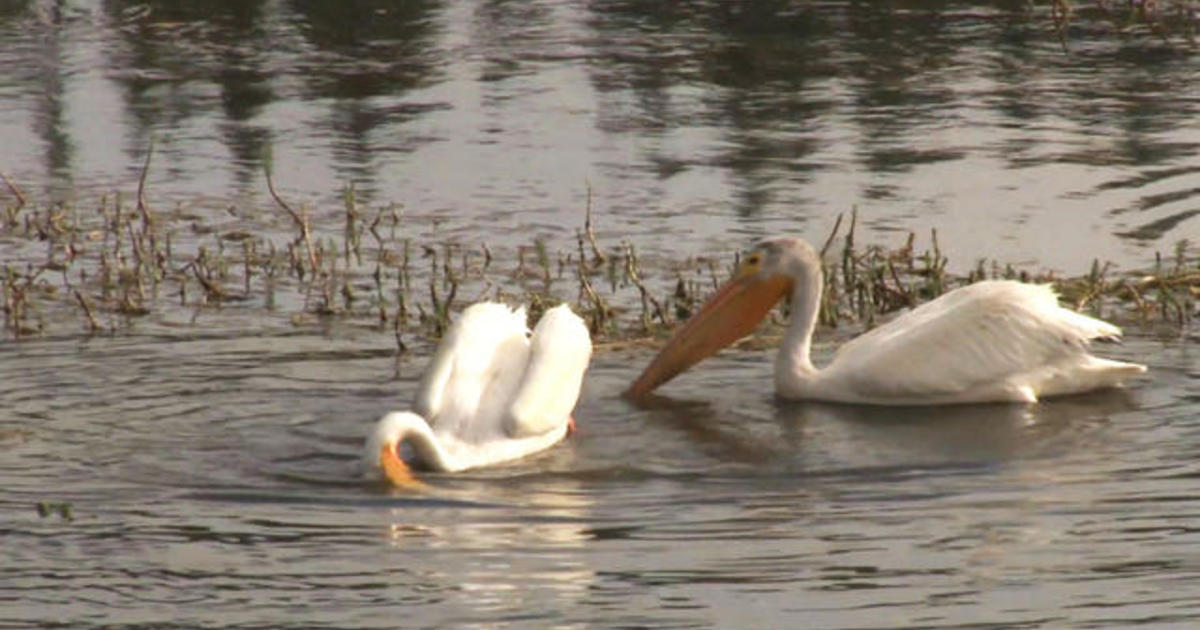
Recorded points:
(64, 510)
(67, 271)
(1169, 22)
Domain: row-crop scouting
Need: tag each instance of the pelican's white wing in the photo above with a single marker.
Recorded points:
(475, 371)
(997, 336)
(559, 354)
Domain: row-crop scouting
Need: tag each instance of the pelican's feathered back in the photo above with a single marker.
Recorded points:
(560, 350)
(475, 371)
(986, 333)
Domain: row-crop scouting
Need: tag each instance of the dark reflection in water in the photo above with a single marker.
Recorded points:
(362, 56)
(692, 120)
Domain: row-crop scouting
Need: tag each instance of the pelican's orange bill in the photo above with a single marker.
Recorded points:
(731, 314)
(396, 470)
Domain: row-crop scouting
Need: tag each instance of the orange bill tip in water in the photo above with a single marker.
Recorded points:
(396, 471)
(732, 313)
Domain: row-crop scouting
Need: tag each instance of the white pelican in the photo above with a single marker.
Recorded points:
(991, 341)
(492, 393)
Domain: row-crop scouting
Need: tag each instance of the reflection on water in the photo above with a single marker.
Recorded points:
(820, 438)
(695, 120)
(553, 530)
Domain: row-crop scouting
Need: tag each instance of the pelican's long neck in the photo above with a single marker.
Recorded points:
(405, 426)
(793, 364)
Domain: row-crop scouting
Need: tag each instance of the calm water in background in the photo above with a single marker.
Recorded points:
(692, 122)
(211, 467)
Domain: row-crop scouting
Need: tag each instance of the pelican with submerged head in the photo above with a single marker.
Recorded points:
(492, 393)
(992, 341)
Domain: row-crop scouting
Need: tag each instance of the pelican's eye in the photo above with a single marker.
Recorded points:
(752, 263)
(404, 451)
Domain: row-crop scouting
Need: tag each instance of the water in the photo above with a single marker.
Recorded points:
(695, 125)
(213, 483)
(209, 455)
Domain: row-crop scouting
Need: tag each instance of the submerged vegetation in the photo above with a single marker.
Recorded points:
(63, 510)
(102, 270)
(1169, 21)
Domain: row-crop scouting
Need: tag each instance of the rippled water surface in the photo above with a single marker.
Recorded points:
(198, 467)
(213, 483)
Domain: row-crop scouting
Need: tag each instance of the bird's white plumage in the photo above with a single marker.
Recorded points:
(492, 392)
(992, 340)
(562, 348)
(487, 339)
(987, 342)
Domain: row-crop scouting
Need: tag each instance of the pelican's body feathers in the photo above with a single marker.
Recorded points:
(492, 391)
(992, 341)
(997, 340)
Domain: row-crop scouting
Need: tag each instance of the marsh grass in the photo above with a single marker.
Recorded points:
(102, 272)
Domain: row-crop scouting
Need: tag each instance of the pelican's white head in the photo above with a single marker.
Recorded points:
(381, 457)
(782, 256)
(774, 268)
